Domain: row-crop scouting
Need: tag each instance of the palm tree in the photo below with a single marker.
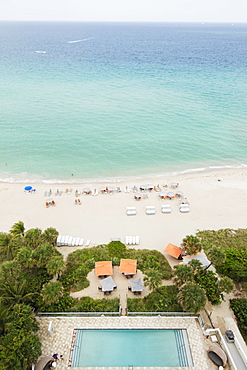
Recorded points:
(51, 292)
(216, 256)
(55, 265)
(153, 279)
(33, 238)
(25, 257)
(44, 253)
(13, 292)
(18, 229)
(196, 265)
(183, 274)
(226, 285)
(192, 244)
(7, 245)
(192, 298)
(4, 318)
(50, 236)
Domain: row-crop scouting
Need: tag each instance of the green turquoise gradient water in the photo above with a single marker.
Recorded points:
(126, 100)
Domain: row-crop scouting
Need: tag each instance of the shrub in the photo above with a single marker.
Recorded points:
(239, 307)
(163, 301)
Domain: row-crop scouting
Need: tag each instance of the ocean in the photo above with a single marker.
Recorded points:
(109, 101)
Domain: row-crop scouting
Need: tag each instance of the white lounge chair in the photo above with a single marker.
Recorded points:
(131, 211)
(73, 242)
(137, 239)
(129, 240)
(150, 210)
(166, 208)
(87, 243)
(66, 240)
(81, 242)
(62, 240)
(59, 240)
(184, 208)
(77, 241)
(70, 241)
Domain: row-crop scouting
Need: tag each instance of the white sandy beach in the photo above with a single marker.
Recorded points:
(213, 204)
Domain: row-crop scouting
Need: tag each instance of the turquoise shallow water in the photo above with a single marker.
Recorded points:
(136, 347)
(125, 100)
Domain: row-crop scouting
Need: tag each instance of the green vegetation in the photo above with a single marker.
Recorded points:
(192, 297)
(164, 300)
(81, 262)
(88, 304)
(233, 244)
(239, 307)
(191, 244)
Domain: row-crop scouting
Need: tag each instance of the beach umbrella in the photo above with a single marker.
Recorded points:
(170, 194)
(179, 193)
(110, 189)
(150, 187)
(28, 188)
(184, 201)
(162, 195)
(86, 190)
(143, 187)
(174, 184)
(102, 189)
(137, 196)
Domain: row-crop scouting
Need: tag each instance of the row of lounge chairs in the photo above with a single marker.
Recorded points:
(165, 208)
(132, 240)
(70, 241)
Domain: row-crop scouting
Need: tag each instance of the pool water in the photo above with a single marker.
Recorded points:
(131, 347)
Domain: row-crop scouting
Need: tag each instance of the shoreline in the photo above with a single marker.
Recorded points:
(217, 199)
(73, 180)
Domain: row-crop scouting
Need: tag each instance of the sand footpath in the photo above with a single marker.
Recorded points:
(217, 199)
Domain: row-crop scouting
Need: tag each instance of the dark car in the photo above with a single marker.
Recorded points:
(229, 336)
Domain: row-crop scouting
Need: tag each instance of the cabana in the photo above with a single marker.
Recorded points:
(136, 286)
(200, 257)
(108, 284)
(174, 251)
(103, 268)
(128, 267)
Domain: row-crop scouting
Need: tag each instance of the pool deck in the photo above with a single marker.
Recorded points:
(61, 340)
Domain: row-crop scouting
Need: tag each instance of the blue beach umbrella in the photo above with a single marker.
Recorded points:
(28, 188)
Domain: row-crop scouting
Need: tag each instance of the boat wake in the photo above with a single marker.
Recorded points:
(82, 40)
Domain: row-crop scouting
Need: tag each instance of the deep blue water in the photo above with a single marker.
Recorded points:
(124, 100)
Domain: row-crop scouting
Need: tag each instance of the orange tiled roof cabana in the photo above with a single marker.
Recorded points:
(103, 268)
(173, 251)
(128, 267)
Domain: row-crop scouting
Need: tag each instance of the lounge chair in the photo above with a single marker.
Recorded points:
(133, 240)
(88, 243)
(129, 240)
(184, 208)
(59, 238)
(77, 241)
(70, 240)
(131, 211)
(137, 239)
(150, 210)
(166, 208)
(62, 240)
(81, 242)
(73, 242)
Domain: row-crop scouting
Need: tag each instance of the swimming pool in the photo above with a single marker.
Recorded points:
(131, 347)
